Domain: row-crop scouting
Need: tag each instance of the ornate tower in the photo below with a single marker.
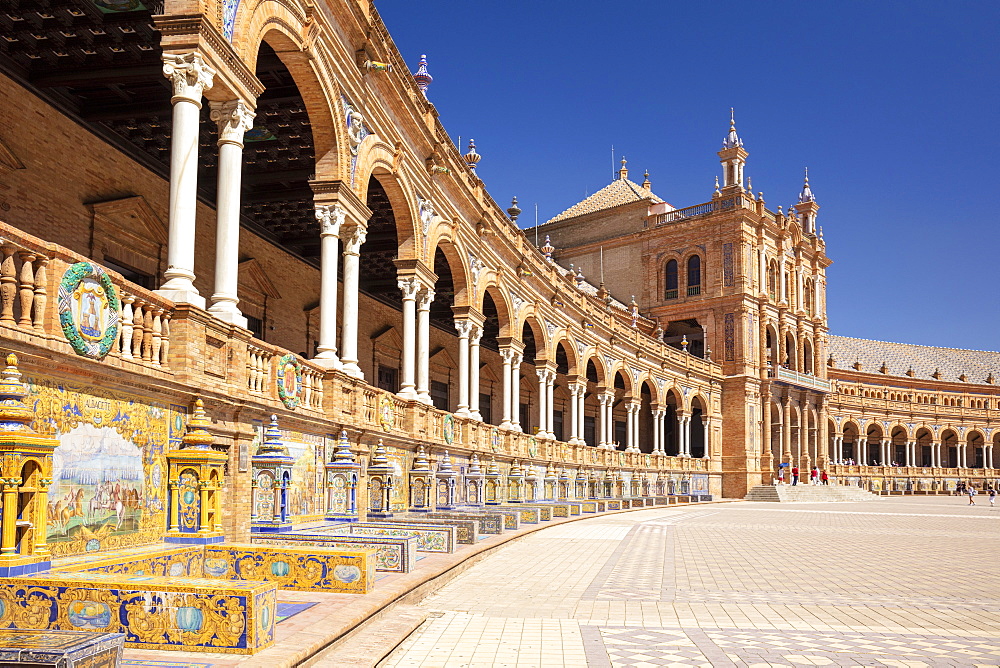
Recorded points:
(272, 475)
(196, 476)
(733, 158)
(342, 483)
(807, 207)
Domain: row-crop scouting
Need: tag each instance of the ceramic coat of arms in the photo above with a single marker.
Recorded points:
(387, 414)
(448, 429)
(89, 309)
(289, 380)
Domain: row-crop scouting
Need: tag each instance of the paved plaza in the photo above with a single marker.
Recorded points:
(898, 582)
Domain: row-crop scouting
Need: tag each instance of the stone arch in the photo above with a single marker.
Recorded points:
(622, 371)
(455, 257)
(600, 376)
(273, 22)
(647, 379)
(706, 406)
(540, 336)
(378, 166)
(503, 308)
(562, 342)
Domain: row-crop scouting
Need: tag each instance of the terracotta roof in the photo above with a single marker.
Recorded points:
(617, 193)
(901, 357)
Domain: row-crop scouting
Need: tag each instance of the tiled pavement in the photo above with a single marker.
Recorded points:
(904, 582)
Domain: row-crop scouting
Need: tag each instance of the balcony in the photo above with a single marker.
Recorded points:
(801, 379)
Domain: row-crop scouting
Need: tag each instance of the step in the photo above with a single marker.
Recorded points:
(809, 493)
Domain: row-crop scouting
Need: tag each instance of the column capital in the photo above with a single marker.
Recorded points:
(339, 192)
(233, 118)
(464, 328)
(189, 75)
(353, 237)
(510, 343)
(410, 287)
(475, 335)
(424, 299)
(330, 218)
(507, 355)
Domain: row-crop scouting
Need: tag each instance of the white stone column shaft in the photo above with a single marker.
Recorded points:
(474, 338)
(543, 394)
(424, 346)
(550, 390)
(330, 218)
(574, 407)
(353, 239)
(190, 78)
(409, 287)
(464, 328)
(233, 118)
(515, 392)
(506, 355)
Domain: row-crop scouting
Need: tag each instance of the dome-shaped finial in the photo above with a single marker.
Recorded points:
(472, 158)
(420, 462)
(807, 194)
(422, 76)
(379, 458)
(645, 180)
(343, 454)
(717, 192)
(623, 172)
(547, 249)
(732, 140)
(272, 444)
(579, 277)
(514, 211)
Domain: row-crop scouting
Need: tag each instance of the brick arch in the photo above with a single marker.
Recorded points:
(400, 196)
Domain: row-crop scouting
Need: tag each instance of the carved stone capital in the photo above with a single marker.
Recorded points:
(330, 217)
(234, 118)
(409, 287)
(464, 328)
(189, 74)
(424, 299)
(353, 237)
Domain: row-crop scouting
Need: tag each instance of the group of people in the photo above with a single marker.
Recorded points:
(970, 490)
(816, 477)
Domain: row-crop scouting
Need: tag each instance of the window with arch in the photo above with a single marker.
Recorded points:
(670, 280)
(694, 275)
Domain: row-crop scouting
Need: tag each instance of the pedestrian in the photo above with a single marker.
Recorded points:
(814, 476)
(824, 478)
(993, 496)
(972, 495)
(781, 475)
(795, 475)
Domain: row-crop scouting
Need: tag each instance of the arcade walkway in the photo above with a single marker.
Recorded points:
(902, 582)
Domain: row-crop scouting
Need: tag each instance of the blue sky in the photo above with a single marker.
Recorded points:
(893, 106)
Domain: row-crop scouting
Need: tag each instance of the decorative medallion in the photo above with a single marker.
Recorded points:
(89, 309)
(648, 459)
(289, 380)
(387, 414)
(448, 428)
(532, 446)
(495, 440)
(621, 458)
(593, 455)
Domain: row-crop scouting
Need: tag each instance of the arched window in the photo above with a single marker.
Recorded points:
(772, 280)
(670, 280)
(694, 275)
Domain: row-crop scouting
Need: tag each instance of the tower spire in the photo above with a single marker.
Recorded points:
(807, 207)
(733, 158)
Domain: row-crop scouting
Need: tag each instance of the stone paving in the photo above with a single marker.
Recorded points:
(905, 582)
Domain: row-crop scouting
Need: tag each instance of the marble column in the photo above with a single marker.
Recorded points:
(574, 407)
(686, 434)
(543, 394)
(233, 119)
(631, 433)
(353, 238)
(424, 346)
(507, 356)
(330, 218)
(660, 427)
(464, 328)
(786, 431)
(707, 451)
(580, 413)
(550, 390)
(190, 77)
(474, 338)
(515, 392)
(410, 287)
(602, 410)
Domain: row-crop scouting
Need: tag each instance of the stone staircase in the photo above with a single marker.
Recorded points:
(809, 493)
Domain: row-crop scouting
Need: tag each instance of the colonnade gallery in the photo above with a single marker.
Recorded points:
(256, 206)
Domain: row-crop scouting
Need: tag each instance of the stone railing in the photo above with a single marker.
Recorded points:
(801, 379)
(261, 375)
(31, 271)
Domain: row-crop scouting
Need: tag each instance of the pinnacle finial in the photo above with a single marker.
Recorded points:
(807, 194)
(732, 140)
(422, 76)
(197, 435)
(623, 172)
(645, 180)
(717, 192)
(548, 248)
(472, 158)
(14, 414)
(514, 211)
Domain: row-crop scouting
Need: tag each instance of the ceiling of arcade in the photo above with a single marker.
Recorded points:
(99, 61)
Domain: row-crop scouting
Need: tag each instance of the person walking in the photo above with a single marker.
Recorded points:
(795, 475)
(824, 478)
(993, 496)
(972, 495)
(814, 476)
